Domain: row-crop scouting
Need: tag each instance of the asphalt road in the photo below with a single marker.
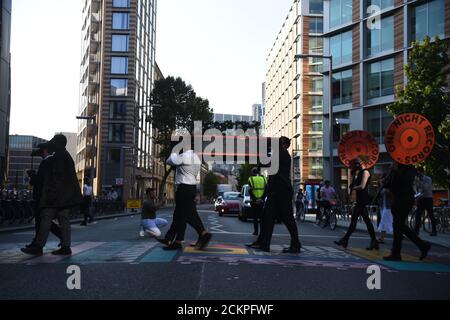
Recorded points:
(116, 264)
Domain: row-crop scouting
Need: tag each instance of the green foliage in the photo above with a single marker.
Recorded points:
(210, 185)
(425, 93)
(245, 172)
(178, 108)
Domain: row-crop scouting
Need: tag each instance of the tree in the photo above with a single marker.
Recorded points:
(210, 185)
(176, 107)
(425, 93)
(245, 172)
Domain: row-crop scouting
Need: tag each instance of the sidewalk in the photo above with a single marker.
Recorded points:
(125, 213)
(440, 240)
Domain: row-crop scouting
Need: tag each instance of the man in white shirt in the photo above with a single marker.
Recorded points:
(87, 202)
(425, 202)
(187, 169)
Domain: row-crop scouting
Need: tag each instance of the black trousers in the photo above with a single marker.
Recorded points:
(360, 210)
(257, 212)
(400, 210)
(185, 213)
(47, 215)
(278, 207)
(54, 228)
(87, 202)
(422, 205)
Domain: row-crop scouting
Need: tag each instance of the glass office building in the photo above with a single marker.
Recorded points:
(368, 62)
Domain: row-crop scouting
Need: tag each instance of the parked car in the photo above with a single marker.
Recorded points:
(245, 212)
(231, 203)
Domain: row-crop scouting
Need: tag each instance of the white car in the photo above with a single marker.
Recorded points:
(245, 212)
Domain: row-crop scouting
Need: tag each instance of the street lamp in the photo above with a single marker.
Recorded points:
(94, 135)
(330, 107)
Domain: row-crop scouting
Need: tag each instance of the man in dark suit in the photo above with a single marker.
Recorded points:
(37, 181)
(400, 182)
(279, 204)
(60, 194)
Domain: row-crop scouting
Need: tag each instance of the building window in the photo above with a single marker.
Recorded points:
(315, 65)
(341, 126)
(120, 43)
(379, 40)
(316, 143)
(121, 3)
(428, 20)
(114, 156)
(316, 45)
(119, 65)
(341, 48)
(380, 78)
(116, 132)
(342, 87)
(316, 6)
(120, 21)
(316, 167)
(316, 103)
(381, 4)
(377, 121)
(316, 124)
(117, 110)
(316, 84)
(340, 12)
(315, 25)
(119, 87)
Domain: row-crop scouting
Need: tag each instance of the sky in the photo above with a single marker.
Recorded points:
(218, 46)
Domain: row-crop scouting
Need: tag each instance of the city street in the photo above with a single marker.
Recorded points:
(116, 264)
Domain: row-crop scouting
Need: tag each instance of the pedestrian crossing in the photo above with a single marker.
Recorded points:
(150, 251)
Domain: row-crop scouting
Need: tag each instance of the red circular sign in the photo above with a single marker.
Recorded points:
(360, 144)
(409, 138)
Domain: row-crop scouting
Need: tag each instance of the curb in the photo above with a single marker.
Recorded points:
(78, 220)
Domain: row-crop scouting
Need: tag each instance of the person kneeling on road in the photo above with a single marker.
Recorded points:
(150, 224)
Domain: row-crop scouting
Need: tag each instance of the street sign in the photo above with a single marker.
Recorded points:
(134, 204)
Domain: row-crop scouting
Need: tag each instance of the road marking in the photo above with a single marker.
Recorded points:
(159, 255)
(131, 254)
(286, 235)
(49, 258)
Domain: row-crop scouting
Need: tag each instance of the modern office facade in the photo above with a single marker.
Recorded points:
(368, 62)
(293, 92)
(117, 73)
(5, 85)
(220, 117)
(257, 112)
(20, 160)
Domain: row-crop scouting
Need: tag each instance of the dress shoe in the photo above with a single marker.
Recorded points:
(163, 241)
(32, 244)
(291, 250)
(373, 245)
(393, 257)
(262, 248)
(342, 243)
(252, 245)
(64, 251)
(203, 240)
(173, 247)
(35, 251)
(424, 250)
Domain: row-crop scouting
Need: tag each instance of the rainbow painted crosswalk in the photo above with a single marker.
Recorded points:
(149, 251)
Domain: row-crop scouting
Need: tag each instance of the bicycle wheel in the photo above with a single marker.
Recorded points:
(333, 220)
